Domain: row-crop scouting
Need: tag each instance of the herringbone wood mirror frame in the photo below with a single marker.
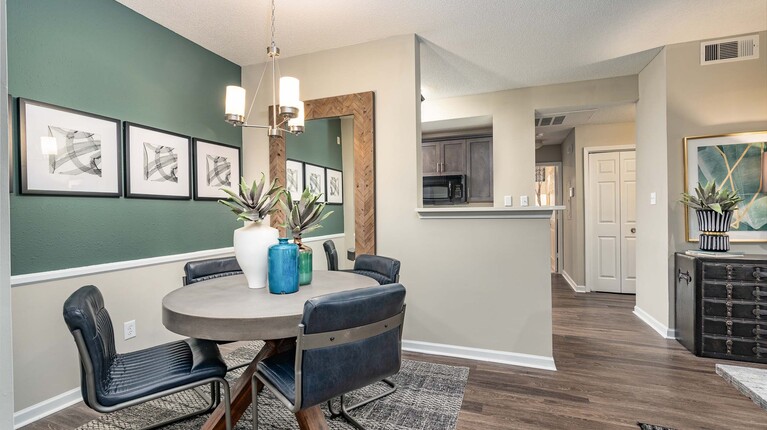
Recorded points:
(362, 107)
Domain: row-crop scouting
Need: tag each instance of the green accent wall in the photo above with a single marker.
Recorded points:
(318, 145)
(101, 57)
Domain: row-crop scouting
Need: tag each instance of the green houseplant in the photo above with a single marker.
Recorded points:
(252, 241)
(301, 217)
(713, 208)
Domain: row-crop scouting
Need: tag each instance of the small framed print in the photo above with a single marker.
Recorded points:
(334, 186)
(68, 152)
(157, 163)
(216, 166)
(294, 178)
(315, 180)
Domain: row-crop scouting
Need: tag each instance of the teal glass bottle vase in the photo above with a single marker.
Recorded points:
(283, 267)
(304, 265)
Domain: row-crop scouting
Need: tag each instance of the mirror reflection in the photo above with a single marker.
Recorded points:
(322, 160)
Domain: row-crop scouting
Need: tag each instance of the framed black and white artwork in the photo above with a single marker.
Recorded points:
(294, 178)
(315, 180)
(157, 163)
(216, 166)
(68, 152)
(334, 186)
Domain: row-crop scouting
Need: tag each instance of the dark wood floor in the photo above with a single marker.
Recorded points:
(613, 370)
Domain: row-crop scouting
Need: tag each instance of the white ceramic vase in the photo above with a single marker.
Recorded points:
(251, 247)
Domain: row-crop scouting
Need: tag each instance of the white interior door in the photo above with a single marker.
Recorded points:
(605, 243)
(628, 221)
(611, 265)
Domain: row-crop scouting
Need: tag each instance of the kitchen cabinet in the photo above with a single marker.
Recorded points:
(471, 156)
(480, 170)
(444, 157)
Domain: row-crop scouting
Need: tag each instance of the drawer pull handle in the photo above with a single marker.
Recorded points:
(758, 293)
(684, 276)
(758, 312)
(758, 274)
(758, 350)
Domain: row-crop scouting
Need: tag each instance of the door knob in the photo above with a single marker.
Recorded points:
(633, 230)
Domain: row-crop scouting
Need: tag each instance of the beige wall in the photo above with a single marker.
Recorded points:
(548, 154)
(513, 112)
(700, 100)
(463, 277)
(652, 238)
(585, 136)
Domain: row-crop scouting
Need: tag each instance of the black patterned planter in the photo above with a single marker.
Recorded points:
(713, 228)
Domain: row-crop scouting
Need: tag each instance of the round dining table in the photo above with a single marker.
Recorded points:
(225, 309)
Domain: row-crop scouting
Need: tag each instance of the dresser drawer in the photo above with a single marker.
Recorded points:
(742, 328)
(734, 272)
(719, 308)
(739, 291)
(748, 348)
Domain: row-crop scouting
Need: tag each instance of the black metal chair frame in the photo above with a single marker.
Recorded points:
(305, 342)
(216, 385)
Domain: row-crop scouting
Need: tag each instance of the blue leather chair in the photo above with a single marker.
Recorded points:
(346, 341)
(202, 270)
(331, 254)
(385, 270)
(112, 381)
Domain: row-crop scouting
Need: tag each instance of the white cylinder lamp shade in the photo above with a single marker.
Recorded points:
(235, 102)
(48, 145)
(289, 98)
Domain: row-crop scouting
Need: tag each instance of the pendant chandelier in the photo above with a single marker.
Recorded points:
(290, 117)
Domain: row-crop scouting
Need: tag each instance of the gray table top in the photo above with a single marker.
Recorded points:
(226, 309)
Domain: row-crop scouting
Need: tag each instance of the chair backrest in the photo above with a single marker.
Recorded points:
(331, 254)
(385, 270)
(91, 326)
(348, 340)
(202, 270)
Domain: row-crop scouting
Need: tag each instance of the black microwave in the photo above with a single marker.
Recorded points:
(449, 189)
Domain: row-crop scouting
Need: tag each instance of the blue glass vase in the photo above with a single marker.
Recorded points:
(283, 267)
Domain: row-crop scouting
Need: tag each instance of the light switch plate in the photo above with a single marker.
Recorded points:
(523, 200)
(507, 200)
(653, 198)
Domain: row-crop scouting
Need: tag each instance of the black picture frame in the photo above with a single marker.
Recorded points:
(196, 175)
(297, 194)
(33, 115)
(139, 177)
(327, 187)
(315, 169)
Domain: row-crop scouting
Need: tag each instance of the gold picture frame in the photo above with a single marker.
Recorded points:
(739, 160)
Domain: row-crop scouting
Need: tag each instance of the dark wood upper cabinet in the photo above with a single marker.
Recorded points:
(480, 170)
(472, 157)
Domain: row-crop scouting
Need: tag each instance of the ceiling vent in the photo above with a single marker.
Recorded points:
(729, 50)
(564, 118)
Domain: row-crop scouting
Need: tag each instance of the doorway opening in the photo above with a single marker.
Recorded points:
(548, 192)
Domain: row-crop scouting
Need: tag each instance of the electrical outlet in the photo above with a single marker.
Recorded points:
(129, 329)
(653, 198)
(507, 200)
(523, 200)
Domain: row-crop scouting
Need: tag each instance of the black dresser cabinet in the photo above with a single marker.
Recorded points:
(721, 306)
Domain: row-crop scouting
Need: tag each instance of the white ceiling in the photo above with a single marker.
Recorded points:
(469, 46)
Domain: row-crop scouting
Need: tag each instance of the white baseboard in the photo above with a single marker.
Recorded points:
(46, 407)
(656, 325)
(577, 288)
(511, 358)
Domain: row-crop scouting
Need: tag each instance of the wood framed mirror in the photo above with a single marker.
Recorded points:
(362, 107)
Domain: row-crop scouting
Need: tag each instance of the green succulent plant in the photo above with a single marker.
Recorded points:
(709, 198)
(304, 215)
(252, 203)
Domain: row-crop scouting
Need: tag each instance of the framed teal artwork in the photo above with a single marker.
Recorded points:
(736, 161)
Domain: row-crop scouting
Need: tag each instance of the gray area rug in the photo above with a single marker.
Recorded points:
(428, 397)
(750, 381)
